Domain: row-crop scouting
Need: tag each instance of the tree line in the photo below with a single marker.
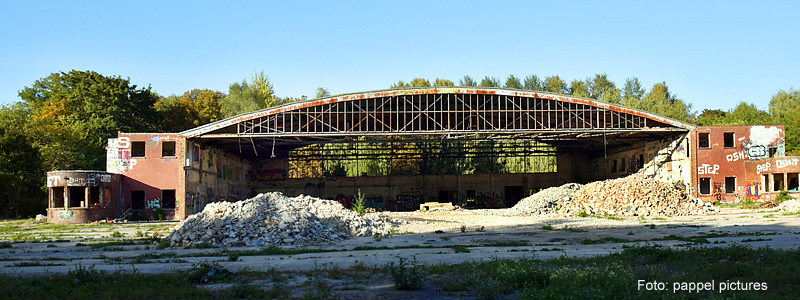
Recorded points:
(64, 120)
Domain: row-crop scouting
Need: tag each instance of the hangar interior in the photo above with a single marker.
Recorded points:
(477, 147)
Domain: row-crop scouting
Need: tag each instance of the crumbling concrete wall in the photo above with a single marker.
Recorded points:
(213, 175)
(665, 159)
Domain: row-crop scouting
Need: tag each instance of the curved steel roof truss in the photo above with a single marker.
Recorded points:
(447, 112)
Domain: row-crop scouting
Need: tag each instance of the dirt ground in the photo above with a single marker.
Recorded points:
(430, 237)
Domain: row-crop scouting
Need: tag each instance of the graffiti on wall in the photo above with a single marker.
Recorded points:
(678, 184)
(707, 169)
(153, 204)
(783, 163)
(719, 191)
(736, 156)
(118, 156)
(66, 214)
(753, 190)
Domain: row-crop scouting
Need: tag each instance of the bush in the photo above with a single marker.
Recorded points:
(407, 275)
(783, 196)
(360, 204)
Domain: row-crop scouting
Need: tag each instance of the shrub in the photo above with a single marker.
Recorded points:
(407, 275)
(360, 204)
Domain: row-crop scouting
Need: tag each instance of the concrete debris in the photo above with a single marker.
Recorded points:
(790, 205)
(635, 195)
(547, 201)
(274, 219)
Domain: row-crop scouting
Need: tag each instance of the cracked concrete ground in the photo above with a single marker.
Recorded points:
(431, 237)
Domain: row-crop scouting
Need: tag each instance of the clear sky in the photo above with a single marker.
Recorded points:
(713, 54)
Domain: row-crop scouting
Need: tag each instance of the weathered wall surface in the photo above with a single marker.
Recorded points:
(151, 170)
(666, 160)
(721, 174)
(214, 175)
(766, 178)
(97, 193)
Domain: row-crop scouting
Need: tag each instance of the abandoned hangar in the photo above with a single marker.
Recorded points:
(476, 147)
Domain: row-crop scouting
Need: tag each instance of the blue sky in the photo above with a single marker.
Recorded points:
(713, 54)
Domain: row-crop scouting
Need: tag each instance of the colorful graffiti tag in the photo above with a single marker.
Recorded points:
(753, 190)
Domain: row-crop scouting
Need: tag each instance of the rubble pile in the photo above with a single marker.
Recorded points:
(274, 219)
(546, 201)
(635, 195)
(790, 205)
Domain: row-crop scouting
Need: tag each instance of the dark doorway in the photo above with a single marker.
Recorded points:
(94, 196)
(77, 194)
(446, 196)
(137, 199)
(168, 199)
(514, 194)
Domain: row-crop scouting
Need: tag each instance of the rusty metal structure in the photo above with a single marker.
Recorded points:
(453, 113)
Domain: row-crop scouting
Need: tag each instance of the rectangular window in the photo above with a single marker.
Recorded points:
(729, 139)
(705, 186)
(777, 182)
(641, 161)
(703, 140)
(94, 196)
(765, 187)
(773, 152)
(58, 196)
(614, 167)
(137, 199)
(137, 149)
(167, 149)
(793, 184)
(622, 166)
(730, 185)
(168, 199)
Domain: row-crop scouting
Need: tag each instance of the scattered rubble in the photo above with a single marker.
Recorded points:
(547, 201)
(635, 195)
(274, 219)
(790, 206)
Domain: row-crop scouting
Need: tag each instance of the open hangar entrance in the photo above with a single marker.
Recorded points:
(478, 147)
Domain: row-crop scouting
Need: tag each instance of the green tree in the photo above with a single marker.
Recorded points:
(467, 81)
(192, 109)
(245, 97)
(322, 93)
(443, 82)
(532, 83)
(73, 114)
(21, 171)
(747, 114)
(579, 88)
(513, 82)
(711, 117)
(555, 84)
(489, 82)
(400, 84)
(420, 82)
(785, 109)
(661, 102)
(632, 93)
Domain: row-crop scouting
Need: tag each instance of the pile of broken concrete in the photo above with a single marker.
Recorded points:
(546, 202)
(274, 219)
(635, 195)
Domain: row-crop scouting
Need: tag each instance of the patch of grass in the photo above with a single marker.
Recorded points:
(5, 245)
(548, 227)
(572, 229)
(755, 240)
(583, 214)
(116, 234)
(34, 264)
(460, 249)
(615, 218)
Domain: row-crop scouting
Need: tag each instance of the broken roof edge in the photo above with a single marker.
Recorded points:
(206, 128)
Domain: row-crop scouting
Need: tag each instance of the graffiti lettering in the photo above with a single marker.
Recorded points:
(153, 204)
(781, 150)
(763, 167)
(754, 190)
(707, 169)
(66, 214)
(786, 163)
(105, 177)
(756, 151)
(719, 191)
(736, 156)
